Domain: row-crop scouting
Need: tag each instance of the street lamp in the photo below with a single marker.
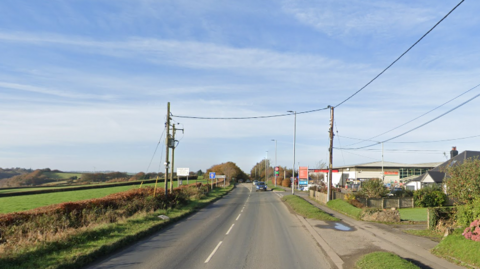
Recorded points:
(275, 161)
(294, 139)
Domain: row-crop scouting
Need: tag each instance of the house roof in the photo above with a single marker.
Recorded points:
(436, 176)
(390, 165)
(457, 160)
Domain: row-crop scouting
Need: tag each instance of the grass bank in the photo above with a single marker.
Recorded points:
(92, 243)
(381, 260)
(304, 208)
(345, 208)
(457, 249)
(430, 234)
(271, 186)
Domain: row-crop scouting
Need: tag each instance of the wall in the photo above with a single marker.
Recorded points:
(374, 203)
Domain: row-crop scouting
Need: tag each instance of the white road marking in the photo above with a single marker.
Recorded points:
(213, 252)
(230, 229)
(238, 216)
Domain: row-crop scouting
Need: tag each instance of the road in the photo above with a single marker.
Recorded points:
(244, 229)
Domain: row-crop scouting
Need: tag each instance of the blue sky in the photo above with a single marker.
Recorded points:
(84, 85)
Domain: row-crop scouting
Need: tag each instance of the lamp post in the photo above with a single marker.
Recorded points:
(294, 139)
(275, 161)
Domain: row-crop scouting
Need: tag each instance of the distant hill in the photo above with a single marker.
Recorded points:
(11, 172)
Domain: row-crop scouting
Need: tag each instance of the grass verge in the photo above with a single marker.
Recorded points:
(345, 208)
(381, 260)
(457, 249)
(413, 214)
(304, 208)
(90, 244)
(271, 186)
(433, 235)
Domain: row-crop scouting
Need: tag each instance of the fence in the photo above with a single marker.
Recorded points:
(375, 203)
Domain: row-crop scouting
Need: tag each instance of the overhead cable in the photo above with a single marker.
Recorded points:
(248, 118)
(388, 67)
(370, 139)
(413, 129)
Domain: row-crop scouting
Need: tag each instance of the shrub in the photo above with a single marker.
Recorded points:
(466, 214)
(439, 215)
(431, 196)
(373, 189)
(462, 183)
(473, 231)
(286, 182)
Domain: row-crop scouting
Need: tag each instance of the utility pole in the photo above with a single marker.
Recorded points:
(167, 147)
(329, 190)
(174, 130)
(173, 158)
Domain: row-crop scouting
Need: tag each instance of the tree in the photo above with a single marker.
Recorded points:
(229, 169)
(200, 173)
(373, 188)
(463, 181)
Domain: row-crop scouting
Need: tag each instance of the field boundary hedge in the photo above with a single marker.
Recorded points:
(100, 186)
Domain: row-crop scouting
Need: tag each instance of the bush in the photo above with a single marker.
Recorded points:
(287, 182)
(462, 183)
(473, 231)
(431, 196)
(373, 189)
(466, 214)
(438, 214)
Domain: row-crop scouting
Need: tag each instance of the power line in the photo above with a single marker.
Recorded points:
(415, 142)
(247, 118)
(159, 141)
(456, 97)
(413, 129)
(388, 67)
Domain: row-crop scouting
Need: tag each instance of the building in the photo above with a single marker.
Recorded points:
(390, 172)
(438, 174)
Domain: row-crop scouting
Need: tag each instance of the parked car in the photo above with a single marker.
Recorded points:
(394, 190)
(261, 186)
(255, 182)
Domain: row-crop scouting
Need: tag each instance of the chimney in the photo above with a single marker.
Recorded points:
(453, 152)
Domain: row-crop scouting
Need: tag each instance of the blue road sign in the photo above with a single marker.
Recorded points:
(212, 175)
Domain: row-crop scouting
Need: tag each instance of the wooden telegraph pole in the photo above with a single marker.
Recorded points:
(330, 185)
(173, 157)
(167, 147)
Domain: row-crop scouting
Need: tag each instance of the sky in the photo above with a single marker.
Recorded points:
(84, 84)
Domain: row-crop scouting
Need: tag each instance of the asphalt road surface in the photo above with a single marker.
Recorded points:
(242, 230)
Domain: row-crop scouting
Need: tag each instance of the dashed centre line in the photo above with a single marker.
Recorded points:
(230, 229)
(213, 252)
(238, 216)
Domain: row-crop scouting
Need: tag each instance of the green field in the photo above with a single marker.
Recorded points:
(413, 214)
(27, 202)
(56, 175)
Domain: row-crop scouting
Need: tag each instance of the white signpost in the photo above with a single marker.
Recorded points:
(182, 172)
(221, 176)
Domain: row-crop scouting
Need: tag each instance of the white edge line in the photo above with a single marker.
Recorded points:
(230, 229)
(213, 252)
(238, 216)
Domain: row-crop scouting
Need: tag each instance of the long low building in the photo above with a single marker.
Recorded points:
(390, 172)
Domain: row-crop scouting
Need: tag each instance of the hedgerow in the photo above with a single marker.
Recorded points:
(26, 229)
